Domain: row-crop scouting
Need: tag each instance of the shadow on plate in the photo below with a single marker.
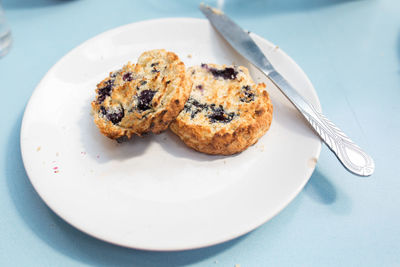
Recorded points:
(103, 149)
(288, 117)
(73, 243)
(175, 147)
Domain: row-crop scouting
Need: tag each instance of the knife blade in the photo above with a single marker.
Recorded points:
(352, 157)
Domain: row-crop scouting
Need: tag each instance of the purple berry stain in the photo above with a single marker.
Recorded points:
(144, 99)
(215, 114)
(103, 110)
(127, 77)
(248, 94)
(105, 91)
(227, 73)
(194, 107)
(220, 115)
(115, 116)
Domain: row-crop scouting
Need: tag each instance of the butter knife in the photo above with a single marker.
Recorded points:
(352, 157)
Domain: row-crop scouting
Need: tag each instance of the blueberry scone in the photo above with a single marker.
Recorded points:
(143, 97)
(226, 111)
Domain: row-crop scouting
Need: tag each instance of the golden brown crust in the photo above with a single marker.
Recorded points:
(223, 115)
(142, 98)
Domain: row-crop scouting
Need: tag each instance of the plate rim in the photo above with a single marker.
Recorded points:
(251, 228)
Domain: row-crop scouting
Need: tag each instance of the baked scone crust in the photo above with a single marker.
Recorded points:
(226, 111)
(143, 97)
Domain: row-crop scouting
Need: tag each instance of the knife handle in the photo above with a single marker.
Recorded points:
(349, 154)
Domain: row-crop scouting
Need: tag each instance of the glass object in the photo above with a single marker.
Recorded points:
(5, 34)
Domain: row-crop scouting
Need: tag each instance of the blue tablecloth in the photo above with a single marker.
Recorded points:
(351, 52)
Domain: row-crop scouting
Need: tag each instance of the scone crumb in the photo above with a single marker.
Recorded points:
(216, 11)
(56, 169)
(189, 56)
(312, 162)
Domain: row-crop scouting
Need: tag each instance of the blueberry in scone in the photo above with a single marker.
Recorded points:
(143, 97)
(226, 111)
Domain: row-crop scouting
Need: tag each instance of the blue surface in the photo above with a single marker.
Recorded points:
(351, 52)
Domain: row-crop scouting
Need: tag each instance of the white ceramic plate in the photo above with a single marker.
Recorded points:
(154, 192)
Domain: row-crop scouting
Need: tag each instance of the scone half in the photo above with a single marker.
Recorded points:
(143, 97)
(226, 111)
